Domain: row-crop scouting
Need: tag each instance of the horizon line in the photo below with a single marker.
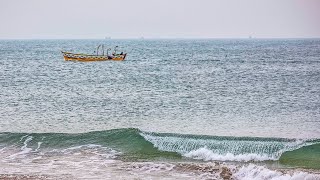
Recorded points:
(162, 38)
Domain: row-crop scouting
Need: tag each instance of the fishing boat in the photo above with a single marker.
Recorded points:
(69, 56)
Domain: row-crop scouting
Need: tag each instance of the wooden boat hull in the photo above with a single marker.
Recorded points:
(86, 58)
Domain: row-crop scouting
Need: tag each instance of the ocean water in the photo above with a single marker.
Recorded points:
(174, 109)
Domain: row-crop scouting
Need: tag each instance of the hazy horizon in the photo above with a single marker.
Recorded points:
(154, 19)
(168, 38)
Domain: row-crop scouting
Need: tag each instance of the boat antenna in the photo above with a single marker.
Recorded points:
(102, 50)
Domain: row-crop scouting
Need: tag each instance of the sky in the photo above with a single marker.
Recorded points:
(95, 19)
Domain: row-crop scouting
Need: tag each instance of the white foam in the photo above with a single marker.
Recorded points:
(25, 143)
(149, 167)
(39, 144)
(253, 172)
(98, 150)
(24, 149)
(89, 146)
(2, 149)
(208, 155)
(23, 137)
(224, 149)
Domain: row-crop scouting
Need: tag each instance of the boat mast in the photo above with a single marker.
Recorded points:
(115, 50)
(98, 49)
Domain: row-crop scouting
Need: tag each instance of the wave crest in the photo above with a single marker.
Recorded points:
(208, 148)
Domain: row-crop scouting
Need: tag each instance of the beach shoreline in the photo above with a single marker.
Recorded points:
(174, 170)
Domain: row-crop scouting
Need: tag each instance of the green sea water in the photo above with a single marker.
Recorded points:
(136, 145)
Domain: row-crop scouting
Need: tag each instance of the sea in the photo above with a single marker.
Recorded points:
(173, 109)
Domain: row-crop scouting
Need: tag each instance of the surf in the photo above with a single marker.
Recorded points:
(135, 144)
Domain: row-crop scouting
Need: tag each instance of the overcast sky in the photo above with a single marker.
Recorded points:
(159, 18)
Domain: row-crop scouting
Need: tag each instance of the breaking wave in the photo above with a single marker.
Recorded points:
(137, 144)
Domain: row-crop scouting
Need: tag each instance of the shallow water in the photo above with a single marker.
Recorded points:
(210, 100)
